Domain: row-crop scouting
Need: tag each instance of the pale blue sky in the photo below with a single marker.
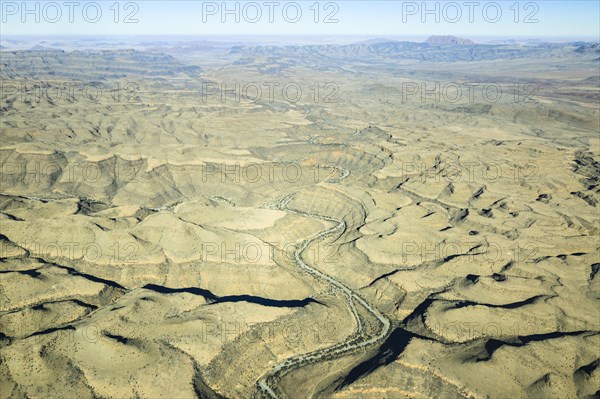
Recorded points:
(378, 18)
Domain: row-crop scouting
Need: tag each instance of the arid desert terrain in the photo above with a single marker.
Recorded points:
(373, 220)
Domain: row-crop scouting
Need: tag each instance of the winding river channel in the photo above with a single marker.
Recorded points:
(267, 384)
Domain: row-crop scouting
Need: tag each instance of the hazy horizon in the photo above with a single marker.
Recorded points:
(285, 39)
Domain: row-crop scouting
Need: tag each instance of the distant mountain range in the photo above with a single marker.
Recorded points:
(448, 40)
(433, 40)
(165, 59)
(91, 66)
(434, 49)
